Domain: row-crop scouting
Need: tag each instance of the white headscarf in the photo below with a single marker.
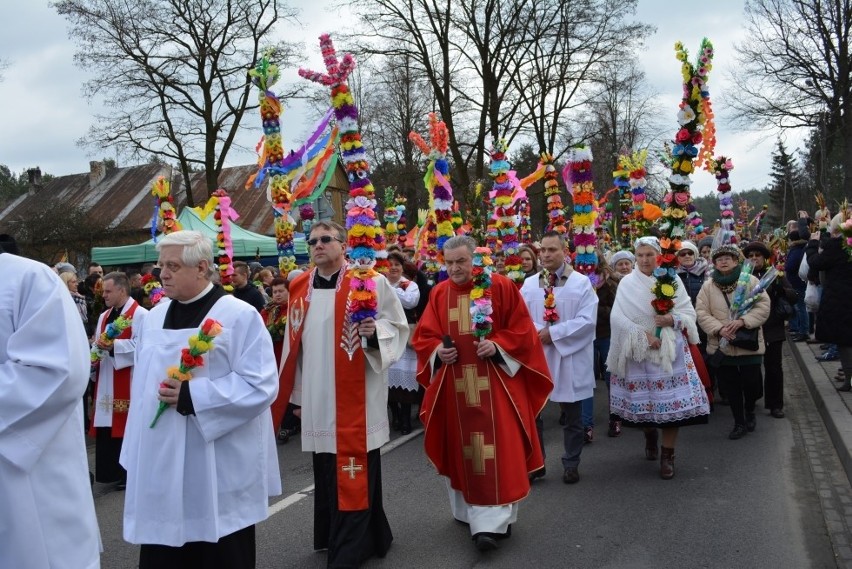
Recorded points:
(649, 241)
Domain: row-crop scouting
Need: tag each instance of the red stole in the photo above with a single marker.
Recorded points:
(120, 379)
(480, 423)
(350, 391)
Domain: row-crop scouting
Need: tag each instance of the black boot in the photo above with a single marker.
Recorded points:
(394, 407)
(404, 418)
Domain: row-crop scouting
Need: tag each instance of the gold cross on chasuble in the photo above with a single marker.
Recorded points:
(352, 468)
(461, 313)
(478, 452)
(470, 384)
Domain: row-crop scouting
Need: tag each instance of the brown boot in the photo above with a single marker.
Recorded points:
(651, 444)
(667, 471)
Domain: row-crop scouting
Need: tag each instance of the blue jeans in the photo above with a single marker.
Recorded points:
(799, 322)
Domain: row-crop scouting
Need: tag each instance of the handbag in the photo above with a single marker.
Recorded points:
(745, 338)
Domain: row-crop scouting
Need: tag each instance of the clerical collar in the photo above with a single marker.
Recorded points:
(325, 283)
(199, 295)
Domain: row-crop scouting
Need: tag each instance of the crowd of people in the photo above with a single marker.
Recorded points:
(475, 357)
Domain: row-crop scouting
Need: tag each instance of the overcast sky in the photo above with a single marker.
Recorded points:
(42, 113)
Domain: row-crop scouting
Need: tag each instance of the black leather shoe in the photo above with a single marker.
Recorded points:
(536, 474)
(122, 485)
(738, 432)
(751, 423)
(777, 413)
(845, 388)
(484, 542)
(571, 476)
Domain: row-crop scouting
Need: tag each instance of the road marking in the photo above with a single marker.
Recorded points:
(295, 497)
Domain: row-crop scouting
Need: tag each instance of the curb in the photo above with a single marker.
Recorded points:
(831, 404)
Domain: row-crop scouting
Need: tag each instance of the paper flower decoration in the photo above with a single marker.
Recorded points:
(437, 183)
(153, 289)
(692, 117)
(578, 172)
(364, 234)
(112, 331)
(551, 316)
(166, 217)
(555, 208)
(400, 217)
(480, 294)
(504, 210)
(191, 358)
(391, 217)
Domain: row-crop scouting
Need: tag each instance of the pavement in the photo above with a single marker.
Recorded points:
(835, 407)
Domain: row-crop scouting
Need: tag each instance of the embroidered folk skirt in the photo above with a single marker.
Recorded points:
(650, 397)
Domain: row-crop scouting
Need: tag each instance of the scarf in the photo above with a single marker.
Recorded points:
(727, 283)
(632, 316)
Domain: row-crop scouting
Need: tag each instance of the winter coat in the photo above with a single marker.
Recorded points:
(834, 318)
(693, 277)
(773, 328)
(606, 298)
(713, 315)
(791, 265)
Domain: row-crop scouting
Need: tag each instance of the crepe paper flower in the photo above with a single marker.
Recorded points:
(578, 173)
(400, 220)
(368, 254)
(220, 204)
(112, 331)
(551, 315)
(552, 194)
(391, 217)
(680, 218)
(440, 191)
(480, 295)
(190, 358)
(166, 218)
(503, 205)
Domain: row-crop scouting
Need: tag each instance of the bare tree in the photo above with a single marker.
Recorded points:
(174, 74)
(795, 70)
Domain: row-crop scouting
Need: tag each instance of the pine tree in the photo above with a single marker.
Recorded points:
(783, 198)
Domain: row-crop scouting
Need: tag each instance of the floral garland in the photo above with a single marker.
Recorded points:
(691, 118)
(551, 315)
(437, 183)
(264, 76)
(621, 181)
(364, 233)
(555, 208)
(429, 248)
(166, 217)
(524, 227)
(578, 171)
(721, 167)
(220, 204)
(191, 358)
(492, 236)
(480, 295)
(112, 331)
(504, 210)
(457, 217)
(276, 320)
(391, 217)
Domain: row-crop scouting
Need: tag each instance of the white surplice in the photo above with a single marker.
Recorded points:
(570, 357)
(123, 351)
(47, 515)
(203, 476)
(316, 394)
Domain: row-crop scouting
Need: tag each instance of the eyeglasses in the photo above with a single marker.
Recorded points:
(685, 253)
(325, 240)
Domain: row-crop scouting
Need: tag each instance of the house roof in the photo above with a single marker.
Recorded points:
(122, 198)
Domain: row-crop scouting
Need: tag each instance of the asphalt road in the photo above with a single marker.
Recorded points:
(748, 503)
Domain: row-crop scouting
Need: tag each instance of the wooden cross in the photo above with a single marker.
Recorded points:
(471, 384)
(461, 314)
(352, 468)
(478, 452)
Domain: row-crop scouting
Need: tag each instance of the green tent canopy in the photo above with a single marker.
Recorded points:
(246, 243)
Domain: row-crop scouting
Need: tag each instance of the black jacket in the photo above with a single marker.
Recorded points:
(773, 328)
(834, 317)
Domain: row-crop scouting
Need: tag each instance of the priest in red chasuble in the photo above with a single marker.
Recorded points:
(482, 397)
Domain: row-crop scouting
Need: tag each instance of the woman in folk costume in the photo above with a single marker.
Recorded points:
(403, 389)
(654, 382)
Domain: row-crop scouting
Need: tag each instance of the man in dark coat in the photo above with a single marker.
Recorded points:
(795, 254)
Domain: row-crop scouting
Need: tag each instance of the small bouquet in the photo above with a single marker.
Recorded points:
(276, 321)
(480, 296)
(113, 330)
(551, 316)
(191, 358)
(744, 298)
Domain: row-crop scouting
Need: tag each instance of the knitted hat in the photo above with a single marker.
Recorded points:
(727, 249)
(793, 236)
(705, 242)
(759, 247)
(63, 267)
(620, 256)
(689, 245)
